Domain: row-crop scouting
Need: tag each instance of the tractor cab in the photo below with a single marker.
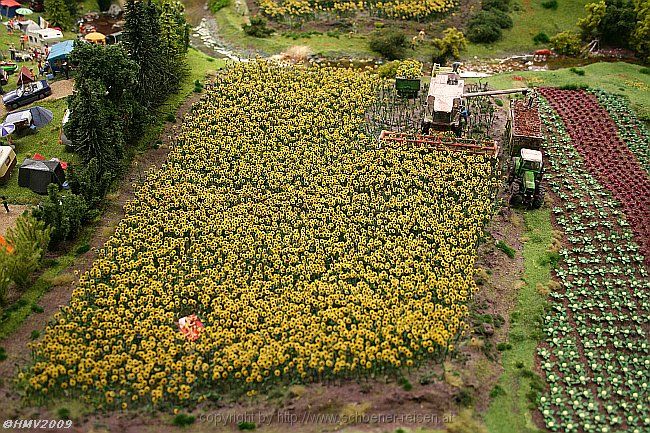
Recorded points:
(526, 179)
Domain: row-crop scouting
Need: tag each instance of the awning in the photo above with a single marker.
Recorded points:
(10, 3)
(60, 50)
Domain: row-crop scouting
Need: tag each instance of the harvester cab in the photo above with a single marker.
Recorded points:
(525, 179)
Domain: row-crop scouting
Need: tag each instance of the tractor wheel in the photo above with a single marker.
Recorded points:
(516, 193)
(538, 198)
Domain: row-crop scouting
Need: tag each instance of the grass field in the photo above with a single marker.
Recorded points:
(530, 19)
(619, 78)
(508, 412)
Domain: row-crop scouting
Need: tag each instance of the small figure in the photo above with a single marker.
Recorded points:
(4, 203)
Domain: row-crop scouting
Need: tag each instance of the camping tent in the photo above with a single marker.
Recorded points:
(25, 76)
(28, 26)
(7, 163)
(8, 7)
(37, 175)
(59, 53)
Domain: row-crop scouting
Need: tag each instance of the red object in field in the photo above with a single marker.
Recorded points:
(191, 327)
(64, 165)
(595, 135)
(38, 157)
(544, 52)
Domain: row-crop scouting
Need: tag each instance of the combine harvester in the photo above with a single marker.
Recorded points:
(446, 110)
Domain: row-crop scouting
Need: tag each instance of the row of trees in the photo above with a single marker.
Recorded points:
(118, 89)
(392, 44)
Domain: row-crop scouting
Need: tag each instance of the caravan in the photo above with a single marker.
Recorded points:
(44, 37)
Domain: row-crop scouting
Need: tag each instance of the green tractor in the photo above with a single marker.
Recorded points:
(525, 179)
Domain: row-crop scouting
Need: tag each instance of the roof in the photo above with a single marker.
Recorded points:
(444, 93)
(33, 164)
(60, 50)
(48, 33)
(531, 155)
(18, 116)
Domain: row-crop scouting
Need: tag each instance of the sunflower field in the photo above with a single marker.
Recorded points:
(306, 251)
(395, 9)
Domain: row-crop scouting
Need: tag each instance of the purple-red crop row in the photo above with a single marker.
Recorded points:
(607, 157)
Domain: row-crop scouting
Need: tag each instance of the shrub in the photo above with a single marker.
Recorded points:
(37, 308)
(567, 43)
(541, 38)
(198, 86)
(452, 42)
(257, 28)
(501, 347)
(645, 71)
(90, 182)
(182, 420)
(171, 117)
(389, 69)
(507, 249)
(550, 4)
(484, 33)
(30, 238)
(34, 334)
(63, 413)
(390, 43)
(245, 425)
(63, 213)
(497, 391)
(502, 5)
(3, 354)
(217, 5)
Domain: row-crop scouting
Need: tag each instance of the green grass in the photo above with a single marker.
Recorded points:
(44, 141)
(508, 412)
(230, 24)
(530, 19)
(617, 77)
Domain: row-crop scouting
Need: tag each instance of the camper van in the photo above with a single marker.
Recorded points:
(44, 36)
(7, 163)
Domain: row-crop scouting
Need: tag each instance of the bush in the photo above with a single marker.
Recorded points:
(497, 391)
(388, 70)
(390, 43)
(541, 38)
(550, 4)
(257, 28)
(645, 71)
(577, 71)
(502, 5)
(182, 420)
(495, 16)
(90, 182)
(451, 44)
(507, 249)
(63, 213)
(245, 425)
(484, 33)
(30, 238)
(567, 43)
(217, 5)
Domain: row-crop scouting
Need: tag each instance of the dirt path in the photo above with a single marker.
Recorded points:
(16, 346)
(8, 219)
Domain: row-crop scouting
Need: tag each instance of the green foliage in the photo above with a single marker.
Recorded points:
(246, 425)
(574, 86)
(550, 4)
(641, 37)
(502, 5)
(645, 71)
(483, 28)
(37, 308)
(34, 334)
(65, 214)
(497, 391)
(541, 38)
(258, 27)
(104, 5)
(155, 37)
(216, 5)
(389, 43)
(618, 25)
(58, 13)
(183, 420)
(504, 346)
(577, 71)
(30, 238)
(464, 398)
(507, 249)
(63, 413)
(452, 42)
(90, 182)
(5, 274)
(567, 43)
(595, 14)
(388, 69)
(405, 384)
(82, 249)
(3, 354)
(198, 86)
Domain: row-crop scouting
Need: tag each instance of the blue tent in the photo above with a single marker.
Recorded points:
(58, 53)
